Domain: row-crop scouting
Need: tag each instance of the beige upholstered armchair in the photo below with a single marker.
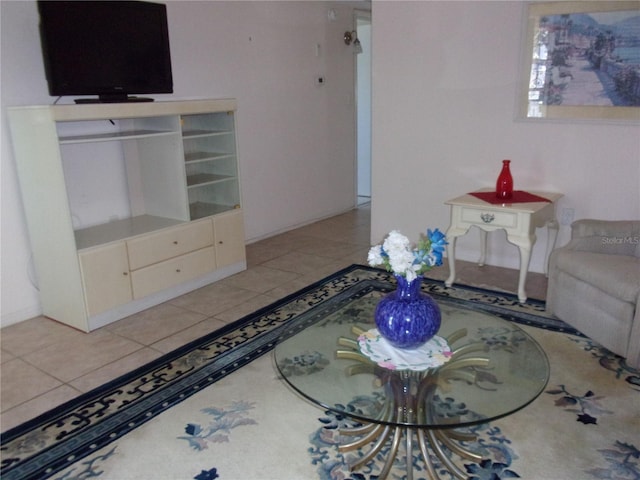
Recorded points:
(594, 284)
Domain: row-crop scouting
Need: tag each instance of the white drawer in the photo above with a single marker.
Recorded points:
(172, 272)
(494, 218)
(169, 243)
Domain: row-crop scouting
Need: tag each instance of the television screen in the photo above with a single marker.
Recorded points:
(107, 48)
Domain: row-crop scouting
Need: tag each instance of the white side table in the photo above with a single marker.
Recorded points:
(519, 220)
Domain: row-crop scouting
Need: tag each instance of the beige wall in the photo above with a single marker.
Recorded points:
(445, 81)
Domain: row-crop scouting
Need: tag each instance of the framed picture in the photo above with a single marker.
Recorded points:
(581, 60)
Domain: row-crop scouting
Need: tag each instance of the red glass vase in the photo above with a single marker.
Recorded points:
(504, 185)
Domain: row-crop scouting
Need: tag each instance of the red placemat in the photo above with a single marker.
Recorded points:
(519, 196)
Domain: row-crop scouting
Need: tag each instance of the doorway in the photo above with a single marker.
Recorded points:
(363, 107)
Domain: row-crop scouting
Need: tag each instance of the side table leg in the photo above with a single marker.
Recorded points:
(524, 244)
(483, 247)
(451, 256)
(452, 234)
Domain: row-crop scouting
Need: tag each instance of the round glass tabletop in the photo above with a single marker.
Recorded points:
(493, 368)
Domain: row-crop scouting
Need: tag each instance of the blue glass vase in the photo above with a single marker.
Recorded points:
(406, 317)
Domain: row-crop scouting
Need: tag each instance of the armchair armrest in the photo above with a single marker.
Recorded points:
(613, 237)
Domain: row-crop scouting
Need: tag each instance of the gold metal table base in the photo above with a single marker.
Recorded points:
(377, 435)
(409, 401)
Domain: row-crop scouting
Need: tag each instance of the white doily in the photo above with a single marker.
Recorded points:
(435, 353)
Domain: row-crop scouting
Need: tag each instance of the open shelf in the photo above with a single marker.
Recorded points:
(202, 209)
(211, 166)
(194, 157)
(110, 136)
(188, 134)
(121, 229)
(206, 179)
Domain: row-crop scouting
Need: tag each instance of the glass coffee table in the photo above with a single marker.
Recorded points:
(488, 368)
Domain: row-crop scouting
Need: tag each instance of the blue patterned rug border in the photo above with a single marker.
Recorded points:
(97, 418)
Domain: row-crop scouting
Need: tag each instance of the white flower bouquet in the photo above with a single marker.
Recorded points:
(397, 255)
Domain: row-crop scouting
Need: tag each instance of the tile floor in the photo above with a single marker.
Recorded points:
(45, 363)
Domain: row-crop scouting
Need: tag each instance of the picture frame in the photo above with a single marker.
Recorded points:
(581, 60)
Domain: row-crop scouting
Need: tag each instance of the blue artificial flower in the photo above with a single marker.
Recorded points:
(437, 238)
(422, 256)
(438, 241)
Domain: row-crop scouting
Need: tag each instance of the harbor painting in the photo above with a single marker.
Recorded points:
(584, 62)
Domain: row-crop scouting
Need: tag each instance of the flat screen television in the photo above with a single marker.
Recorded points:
(112, 49)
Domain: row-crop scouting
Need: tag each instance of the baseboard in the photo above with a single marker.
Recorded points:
(20, 316)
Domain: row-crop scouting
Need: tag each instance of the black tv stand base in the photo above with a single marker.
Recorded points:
(122, 99)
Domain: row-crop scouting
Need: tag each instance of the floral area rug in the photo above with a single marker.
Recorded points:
(216, 409)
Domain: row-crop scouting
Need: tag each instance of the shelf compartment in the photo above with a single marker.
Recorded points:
(121, 229)
(209, 143)
(201, 179)
(211, 171)
(113, 136)
(208, 124)
(195, 157)
(204, 209)
(189, 134)
(214, 198)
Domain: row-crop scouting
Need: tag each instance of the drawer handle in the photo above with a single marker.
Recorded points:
(175, 242)
(220, 242)
(177, 270)
(487, 217)
(125, 273)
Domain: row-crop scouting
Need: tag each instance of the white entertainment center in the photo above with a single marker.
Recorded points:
(128, 204)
